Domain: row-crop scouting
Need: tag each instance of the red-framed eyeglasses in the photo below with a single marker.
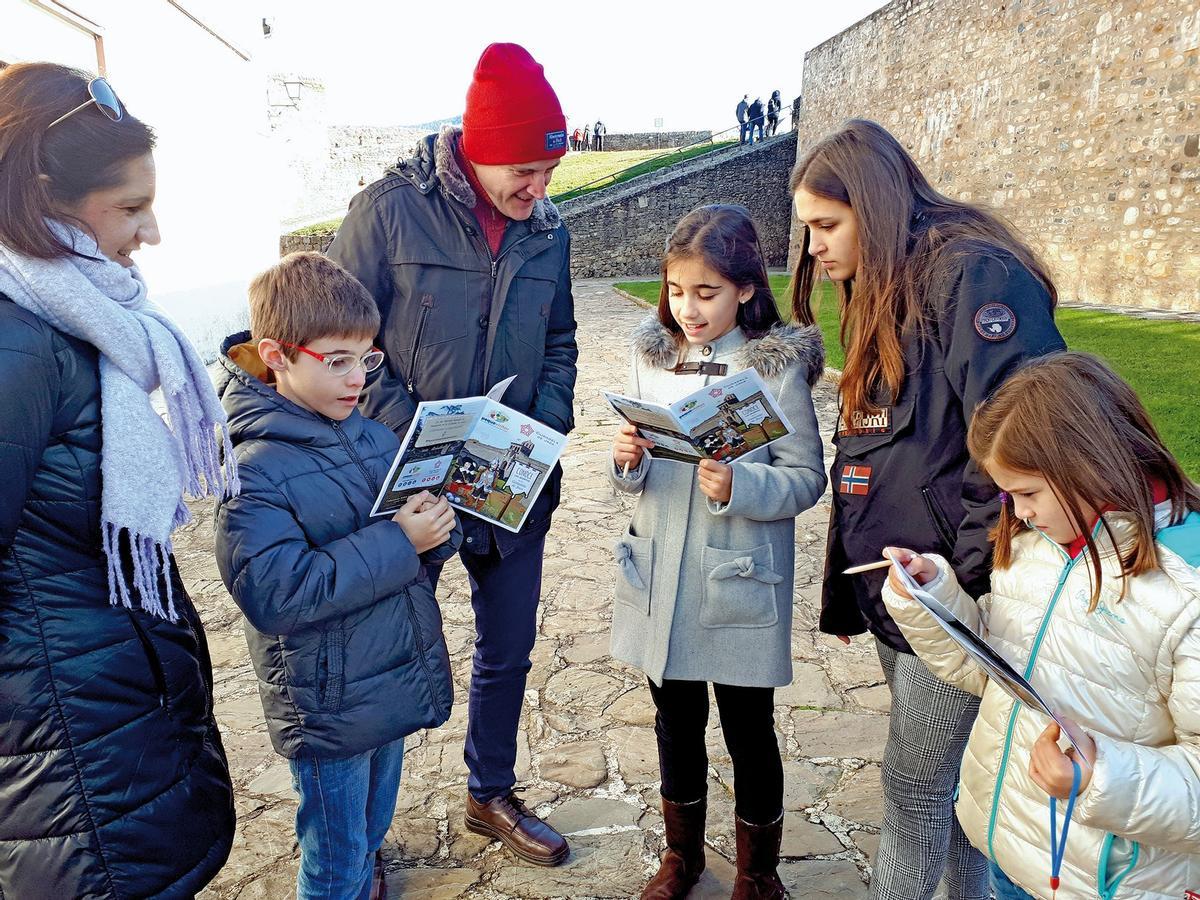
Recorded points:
(342, 363)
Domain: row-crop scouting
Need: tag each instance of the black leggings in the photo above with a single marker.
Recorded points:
(748, 722)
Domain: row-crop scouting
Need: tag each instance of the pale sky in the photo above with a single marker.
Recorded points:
(623, 61)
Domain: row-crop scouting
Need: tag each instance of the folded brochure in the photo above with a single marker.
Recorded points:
(488, 460)
(722, 420)
(995, 666)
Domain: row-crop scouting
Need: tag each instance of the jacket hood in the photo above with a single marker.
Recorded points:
(770, 355)
(257, 410)
(434, 159)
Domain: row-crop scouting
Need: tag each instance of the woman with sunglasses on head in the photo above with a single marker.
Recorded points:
(113, 780)
(939, 301)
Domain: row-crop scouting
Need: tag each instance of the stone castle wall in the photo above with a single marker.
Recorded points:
(1078, 120)
(620, 231)
(654, 140)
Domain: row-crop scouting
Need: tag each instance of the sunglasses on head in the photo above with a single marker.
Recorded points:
(101, 93)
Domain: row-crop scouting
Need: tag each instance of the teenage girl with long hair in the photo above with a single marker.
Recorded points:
(939, 299)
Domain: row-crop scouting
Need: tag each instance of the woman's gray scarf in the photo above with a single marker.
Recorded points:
(145, 465)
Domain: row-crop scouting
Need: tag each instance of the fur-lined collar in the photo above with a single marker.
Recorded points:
(780, 348)
(454, 181)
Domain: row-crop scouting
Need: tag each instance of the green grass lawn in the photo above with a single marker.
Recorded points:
(579, 169)
(1161, 359)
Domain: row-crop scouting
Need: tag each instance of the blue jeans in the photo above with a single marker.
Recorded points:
(346, 806)
(1005, 889)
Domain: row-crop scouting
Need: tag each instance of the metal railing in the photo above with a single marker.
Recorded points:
(785, 115)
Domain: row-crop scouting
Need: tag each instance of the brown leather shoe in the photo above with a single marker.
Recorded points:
(378, 886)
(683, 861)
(510, 821)
(758, 861)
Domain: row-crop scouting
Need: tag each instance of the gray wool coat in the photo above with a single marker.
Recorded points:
(704, 589)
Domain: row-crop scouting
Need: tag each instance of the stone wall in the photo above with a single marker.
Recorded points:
(293, 243)
(1077, 120)
(620, 231)
(654, 140)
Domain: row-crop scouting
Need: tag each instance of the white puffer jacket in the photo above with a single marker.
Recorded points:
(1128, 673)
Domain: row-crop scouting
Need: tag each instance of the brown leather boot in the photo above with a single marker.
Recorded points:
(758, 861)
(683, 860)
(510, 821)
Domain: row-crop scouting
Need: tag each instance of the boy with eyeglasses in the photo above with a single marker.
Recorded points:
(342, 622)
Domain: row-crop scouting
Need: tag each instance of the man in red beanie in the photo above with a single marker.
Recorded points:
(470, 265)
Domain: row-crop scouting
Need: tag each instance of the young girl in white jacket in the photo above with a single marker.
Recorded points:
(1096, 600)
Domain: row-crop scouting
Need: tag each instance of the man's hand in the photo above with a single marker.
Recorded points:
(1051, 769)
(426, 520)
(716, 480)
(628, 446)
(921, 569)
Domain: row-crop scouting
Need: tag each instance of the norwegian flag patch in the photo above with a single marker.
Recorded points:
(855, 480)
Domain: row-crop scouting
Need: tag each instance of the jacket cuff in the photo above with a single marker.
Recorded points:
(637, 474)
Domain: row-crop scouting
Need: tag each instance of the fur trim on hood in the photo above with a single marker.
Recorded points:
(454, 181)
(781, 347)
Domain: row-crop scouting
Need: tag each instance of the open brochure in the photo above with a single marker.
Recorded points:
(488, 460)
(993, 664)
(721, 421)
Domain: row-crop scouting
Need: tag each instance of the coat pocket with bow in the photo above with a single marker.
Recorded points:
(635, 567)
(739, 588)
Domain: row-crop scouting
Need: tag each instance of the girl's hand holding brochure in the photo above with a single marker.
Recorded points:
(921, 569)
(716, 480)
(427, 521)
(1051, 768)
(628, 446)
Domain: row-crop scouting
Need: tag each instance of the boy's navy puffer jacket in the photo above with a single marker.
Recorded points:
(343, 626)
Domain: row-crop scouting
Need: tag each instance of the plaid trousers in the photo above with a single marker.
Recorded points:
(921, 838)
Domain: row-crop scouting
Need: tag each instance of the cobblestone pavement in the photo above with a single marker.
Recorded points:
(587, 753)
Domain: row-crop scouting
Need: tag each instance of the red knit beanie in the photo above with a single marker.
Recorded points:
(512, 113)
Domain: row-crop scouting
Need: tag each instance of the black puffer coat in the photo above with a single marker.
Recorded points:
(343, 626)
(113, 782)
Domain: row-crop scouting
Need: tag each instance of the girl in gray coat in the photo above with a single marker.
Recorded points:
(704, 582)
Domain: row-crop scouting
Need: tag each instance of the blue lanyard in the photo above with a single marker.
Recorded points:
(1058, 847)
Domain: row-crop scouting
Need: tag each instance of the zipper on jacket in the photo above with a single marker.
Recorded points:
(426, 308)
(341, 433)
(156, 669)
(412, 614)
(1012, 716)
(940, 525)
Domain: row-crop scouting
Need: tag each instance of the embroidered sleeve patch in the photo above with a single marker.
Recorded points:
(995, 322)
(855, 480)
(859, 424)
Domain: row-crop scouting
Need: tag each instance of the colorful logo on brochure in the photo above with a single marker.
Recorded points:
(717, 392)
(496, 416)
(689, 406)
(526, 429)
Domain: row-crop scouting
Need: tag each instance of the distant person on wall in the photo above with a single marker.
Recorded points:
(490, 300)
(774, 105)
(743, 109)
(587, 138)
(598, 133)
(757, 117)
(577, 139)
